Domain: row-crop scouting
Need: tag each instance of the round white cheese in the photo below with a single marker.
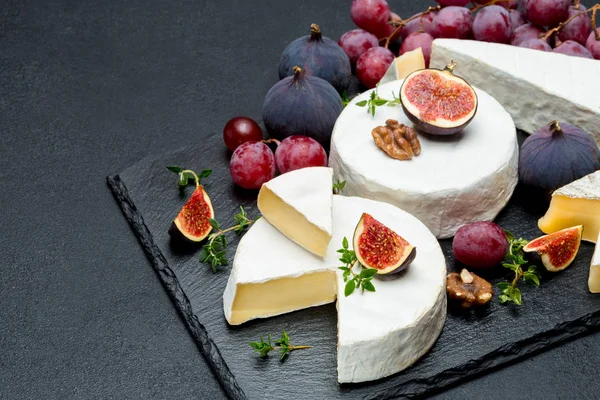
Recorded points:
(457, 179)
(383, 332)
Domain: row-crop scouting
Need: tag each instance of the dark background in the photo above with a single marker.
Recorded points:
(87, 88)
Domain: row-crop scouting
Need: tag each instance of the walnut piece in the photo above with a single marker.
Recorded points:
(469, 289)
(397, 140)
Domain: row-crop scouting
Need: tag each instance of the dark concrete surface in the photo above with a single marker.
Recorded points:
(87, 88)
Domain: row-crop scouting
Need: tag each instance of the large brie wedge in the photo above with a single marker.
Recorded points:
(457, 179)
(379, 333)
(535, 87)
(577, 203)
(298, 203)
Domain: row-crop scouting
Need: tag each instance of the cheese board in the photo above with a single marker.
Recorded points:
(471, 343)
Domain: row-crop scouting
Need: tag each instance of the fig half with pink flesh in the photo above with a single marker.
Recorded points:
(557, 250)
(437, 101)
(377, 246)
(193, 221)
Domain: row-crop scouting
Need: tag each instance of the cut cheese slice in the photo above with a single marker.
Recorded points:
(455, 180)
(535, 87)
(594, 280)
(298, 203)
(577, 203)
(404, 65)
(272, 275)
(379, 333)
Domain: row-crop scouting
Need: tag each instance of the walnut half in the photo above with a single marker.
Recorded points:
(397, 140)
(468, 288)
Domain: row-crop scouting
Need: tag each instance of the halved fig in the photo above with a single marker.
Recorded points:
(557, 250)
(377, 246)
(438, 102)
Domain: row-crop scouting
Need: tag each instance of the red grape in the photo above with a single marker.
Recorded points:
(492, 24)
(416, 40)
(480, 244)
(547, 12)
(240, 130)
(356, 42)
(252, 164)
(414, 25)
(372, 65)
(297, 152)
(572, 48)
(593, 46)
(371, 15)
(578, 29)
(516, 19)
(506, 4)
(524, 32)
(536, 44)
(453, 22)
(460, 3)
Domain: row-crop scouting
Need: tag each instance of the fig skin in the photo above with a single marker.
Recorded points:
(427, 127)
(556, 155)
(480, 244)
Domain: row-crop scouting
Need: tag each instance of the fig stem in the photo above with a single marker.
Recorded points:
(450, 67)
(563, 24)
(315, 32)
(196, 178)
(555, 128)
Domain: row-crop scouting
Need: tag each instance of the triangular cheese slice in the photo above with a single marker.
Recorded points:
(379, 333)
(534, 86)
(298, 204)
(404, 65)
(577, 203)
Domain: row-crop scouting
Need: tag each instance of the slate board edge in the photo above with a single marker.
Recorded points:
(509, 353)
(207, 346)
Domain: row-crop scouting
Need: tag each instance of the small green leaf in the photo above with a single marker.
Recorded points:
(349, 288)
(345, 243)
(379, 102)
(215, 225)
(515, 296)
(503, 285)
(503, 298)
(368, 273)
(509, 235)
(205, 173)
(183, 179)
(174, 168)
(362, 103)
(531, 278)
(204, 254)
(368, 285)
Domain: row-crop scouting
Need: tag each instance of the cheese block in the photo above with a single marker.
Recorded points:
(298, 203)
(594, 280)
(535, 87)
(379, 333)
(457, 179)
(404, 65)
(272, 275)
(577, 203)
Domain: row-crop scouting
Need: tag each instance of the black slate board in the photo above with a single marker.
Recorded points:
(471, 343)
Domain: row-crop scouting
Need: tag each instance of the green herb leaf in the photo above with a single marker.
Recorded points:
(338, 186)
(345, 98)
(349, 288)
(368, 285)
(515, 296)
(380, 102)
(174, 168)
(205, 173)
(362, 103)
(503, 285)
(368, 273)
(214, 223)
(345, 243)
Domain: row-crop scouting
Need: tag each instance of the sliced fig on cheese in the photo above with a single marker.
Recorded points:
(557, 250)
(193, 221)
(438, 102)
(377, 246)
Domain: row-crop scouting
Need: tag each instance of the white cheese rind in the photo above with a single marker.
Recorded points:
(587, 187)
(455, 180)
(535, 87)
(384, 332)
(308, 191)
(594, 279)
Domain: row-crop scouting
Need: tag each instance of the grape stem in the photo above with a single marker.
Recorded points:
(563, 24)
(477, 7)
(399, 24)
(596, 33)
(277, 142)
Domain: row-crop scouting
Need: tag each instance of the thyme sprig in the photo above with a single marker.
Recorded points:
(338, 186)
(515, 261)
(375, 101)
(353, 280)
(213, 252)
(263, 348)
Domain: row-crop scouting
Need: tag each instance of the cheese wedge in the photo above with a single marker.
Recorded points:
(379, 333)
(404, 65)
(534, 86)
(298, 204)
(577, 203)
(594, 280)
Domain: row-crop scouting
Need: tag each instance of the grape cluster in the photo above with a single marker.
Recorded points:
(562, 26)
